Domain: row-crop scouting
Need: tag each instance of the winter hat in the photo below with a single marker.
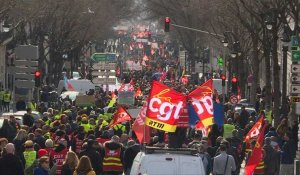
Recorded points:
(42, 152)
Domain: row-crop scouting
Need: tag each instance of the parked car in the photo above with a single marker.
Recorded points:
(167, 161)
(18, 118)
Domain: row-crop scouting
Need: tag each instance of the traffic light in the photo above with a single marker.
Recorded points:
(167, 24)
(223, 77)
(37, 78)
(234, 85)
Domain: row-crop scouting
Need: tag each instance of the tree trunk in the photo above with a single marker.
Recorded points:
(255, 65)
(276, 83)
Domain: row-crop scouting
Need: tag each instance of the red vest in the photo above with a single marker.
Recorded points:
(58, 158)
(78, 145)
(112, 160)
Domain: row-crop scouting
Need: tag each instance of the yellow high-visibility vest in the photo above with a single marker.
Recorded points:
(6, 97)
(2, 94)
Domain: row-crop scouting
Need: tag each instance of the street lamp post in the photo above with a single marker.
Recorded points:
(285, 46)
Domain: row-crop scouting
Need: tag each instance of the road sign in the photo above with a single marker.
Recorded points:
(104, 81)
(109, 73)
(24, 84)
(24, 70)
(104, 57)
(26, 62)
(220, 61)
(126, 97)
(104, 66)
(27, 52)
(295, 99)
(295, 68)
(295, 55)
(233, 99)
(296, 79)
(295, 89)
(24, 76)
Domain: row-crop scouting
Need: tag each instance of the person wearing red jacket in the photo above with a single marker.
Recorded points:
(58, 155)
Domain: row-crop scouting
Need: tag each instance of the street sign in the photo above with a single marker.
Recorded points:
(295, 55)
(104, 57)
(104, 81)
(233, 99)
(295, 89)
(220, 61)
(26, 62)
(24, 84)
(295, 99)
(24, 76)
(104, 66)
(24, 70)
(296, 79)
(295, 68)
(109, 73)
(27, 52)
(126, 98)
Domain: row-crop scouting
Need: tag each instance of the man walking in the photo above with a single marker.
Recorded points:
(223, 164)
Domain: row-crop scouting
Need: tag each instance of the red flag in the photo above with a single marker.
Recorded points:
(184, 80)
(257, 153)
(201, 99)
(165, 105)
(138, 92)
(131, 88)
(121, 116)
(141, 130)
(122, 87)
(255, 130)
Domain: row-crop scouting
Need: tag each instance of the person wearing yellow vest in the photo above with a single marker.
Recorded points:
(228, 128)
(29, 154)
(32, 105)
(1, 99)
(113, 157)
(85, 124)
(119, 129)
(6, 100)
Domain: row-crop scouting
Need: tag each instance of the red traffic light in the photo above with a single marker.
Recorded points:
(234, 80)
(167, 20)
(37, 73)
(223, 77)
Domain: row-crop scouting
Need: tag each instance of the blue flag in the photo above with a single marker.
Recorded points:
(219, 114)
(193, 117)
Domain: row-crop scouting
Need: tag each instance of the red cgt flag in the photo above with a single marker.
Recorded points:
(255, 130)
(121, 116)
(164, 107)
(257, 153)
(122, 87)
(201, 99)
(142, 131)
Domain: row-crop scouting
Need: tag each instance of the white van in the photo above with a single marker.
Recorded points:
(166, 161)
(81, 86)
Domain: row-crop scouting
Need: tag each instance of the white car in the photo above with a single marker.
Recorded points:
(19, 114)
(167, 162)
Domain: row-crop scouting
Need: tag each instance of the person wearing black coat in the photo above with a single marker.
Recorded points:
(28, 119)
(9, 163)
(95, 156)
(129, 155)
(7, 131)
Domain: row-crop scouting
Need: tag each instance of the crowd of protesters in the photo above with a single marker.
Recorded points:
(79, 141)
